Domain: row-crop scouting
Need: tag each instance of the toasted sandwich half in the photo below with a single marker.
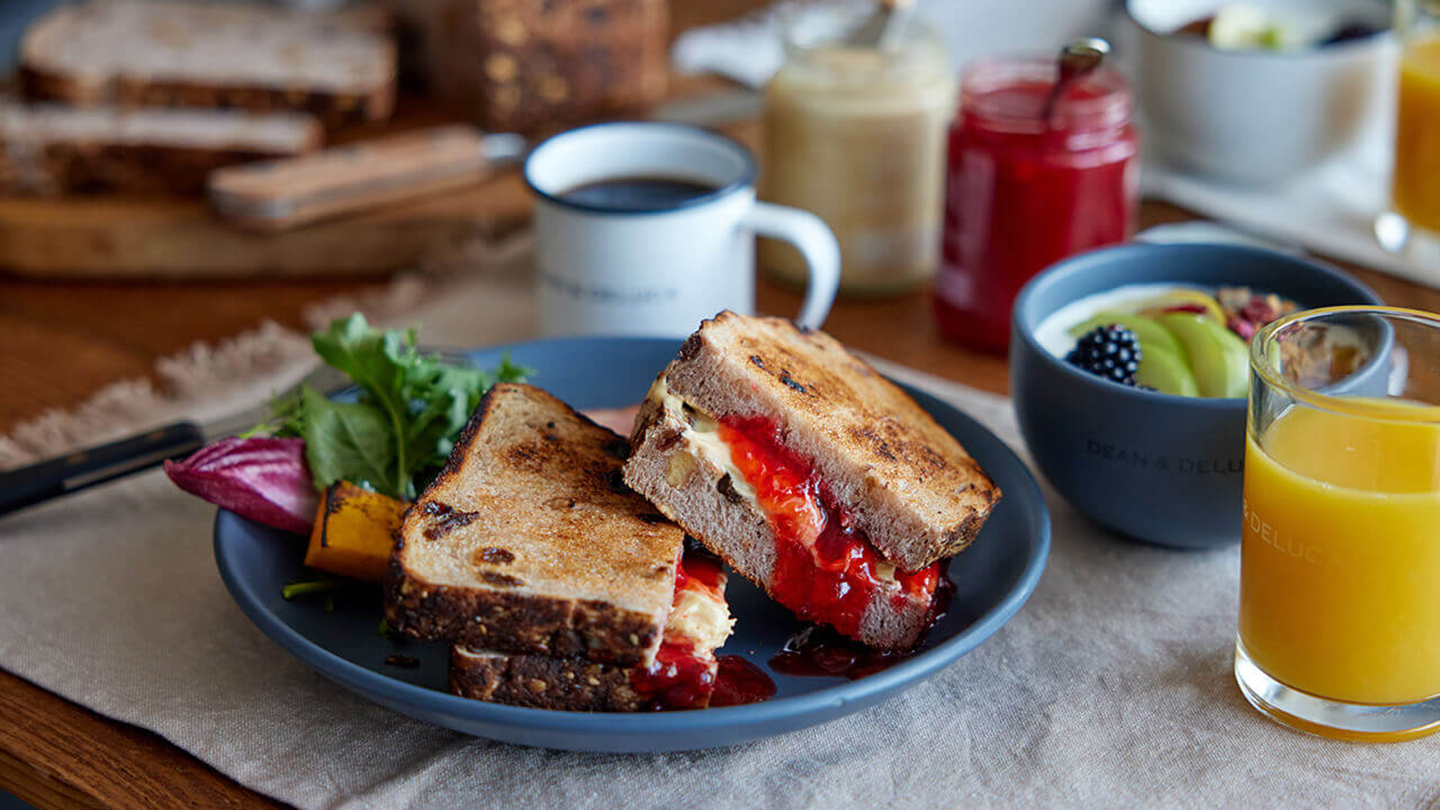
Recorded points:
(810, 474)
(556, 583)
(681, 676)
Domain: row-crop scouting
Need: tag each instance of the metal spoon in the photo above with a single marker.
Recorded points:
(1077, 59)
(885, 27)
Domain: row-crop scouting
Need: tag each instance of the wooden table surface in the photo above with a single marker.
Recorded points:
(60, 342)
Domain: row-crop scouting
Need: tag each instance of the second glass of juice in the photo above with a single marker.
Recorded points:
(1415, 184)
(1339, 629)
(1411, 225)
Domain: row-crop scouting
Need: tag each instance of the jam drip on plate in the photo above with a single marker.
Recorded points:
(741, 682)
(821, 652)
(825, 570)
(682, 677)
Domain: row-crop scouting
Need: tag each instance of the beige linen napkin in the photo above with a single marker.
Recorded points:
(1112, 687)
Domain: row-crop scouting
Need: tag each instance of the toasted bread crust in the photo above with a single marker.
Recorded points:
(542, 682)
(527, 543)
(914, 490)
(518, 623)
(689, 493)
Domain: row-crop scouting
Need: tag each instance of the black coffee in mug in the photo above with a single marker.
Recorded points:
(638, 193)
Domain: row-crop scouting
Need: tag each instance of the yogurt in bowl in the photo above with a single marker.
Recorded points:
(1180, 339)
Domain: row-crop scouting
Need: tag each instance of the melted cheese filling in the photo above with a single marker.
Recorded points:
(703, 443)
(700, 618)
(702, 439)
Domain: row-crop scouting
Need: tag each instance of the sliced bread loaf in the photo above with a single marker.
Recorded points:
(52, 148)
(179, 54)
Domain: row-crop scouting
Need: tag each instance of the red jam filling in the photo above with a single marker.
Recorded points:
(682, 677)
(825, 568)
(679, 678)
(698, 570)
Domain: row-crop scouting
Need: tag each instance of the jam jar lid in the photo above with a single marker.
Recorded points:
(1008, 93)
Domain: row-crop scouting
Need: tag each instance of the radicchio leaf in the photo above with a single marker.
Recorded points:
(264, 479)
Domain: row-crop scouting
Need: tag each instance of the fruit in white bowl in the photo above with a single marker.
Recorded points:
(1188, 341)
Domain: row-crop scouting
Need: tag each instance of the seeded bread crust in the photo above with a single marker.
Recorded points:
(914, 490)
(528, 542)
(541, 682)
(690, 493)
(535, 67)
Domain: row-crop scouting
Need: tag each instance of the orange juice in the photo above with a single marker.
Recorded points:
(1340, 582)
(1415, 189)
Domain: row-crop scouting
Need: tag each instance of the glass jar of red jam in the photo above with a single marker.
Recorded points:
(1024, 190)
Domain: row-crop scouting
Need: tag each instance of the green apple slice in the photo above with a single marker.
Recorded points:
(1148, 330)
(1218, 357)
(1167, 372)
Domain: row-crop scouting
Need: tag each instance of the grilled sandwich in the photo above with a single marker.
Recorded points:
(559, 587)
(810, 474)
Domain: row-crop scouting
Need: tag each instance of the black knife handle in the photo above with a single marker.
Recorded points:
(38, 483)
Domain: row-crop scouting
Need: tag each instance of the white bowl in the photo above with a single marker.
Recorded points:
(1254, 117)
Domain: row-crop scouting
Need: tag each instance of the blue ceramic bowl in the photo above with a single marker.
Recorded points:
(1154, 467)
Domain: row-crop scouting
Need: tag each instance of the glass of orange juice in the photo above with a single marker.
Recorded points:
(1339, 630)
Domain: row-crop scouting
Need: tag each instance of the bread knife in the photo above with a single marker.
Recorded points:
(279, 194)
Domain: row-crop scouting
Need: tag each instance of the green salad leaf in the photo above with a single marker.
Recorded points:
(400, 430)
(349, 441)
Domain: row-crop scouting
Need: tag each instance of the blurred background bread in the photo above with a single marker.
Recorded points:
(179, 54)
(521, 66)
(52, 149)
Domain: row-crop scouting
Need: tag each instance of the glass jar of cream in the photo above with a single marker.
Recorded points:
(856, 134)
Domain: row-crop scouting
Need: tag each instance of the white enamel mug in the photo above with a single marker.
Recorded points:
(660, 271)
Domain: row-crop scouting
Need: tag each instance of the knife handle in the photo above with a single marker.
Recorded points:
(82, 469)
(280, 194)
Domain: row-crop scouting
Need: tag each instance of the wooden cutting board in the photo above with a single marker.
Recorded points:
(117, 237)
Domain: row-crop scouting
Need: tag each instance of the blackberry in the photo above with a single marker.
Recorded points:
(1112, 352)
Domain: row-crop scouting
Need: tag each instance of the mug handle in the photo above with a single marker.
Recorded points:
(812, 237)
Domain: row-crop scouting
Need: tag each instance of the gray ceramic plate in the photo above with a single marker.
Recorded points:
(994, 578)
